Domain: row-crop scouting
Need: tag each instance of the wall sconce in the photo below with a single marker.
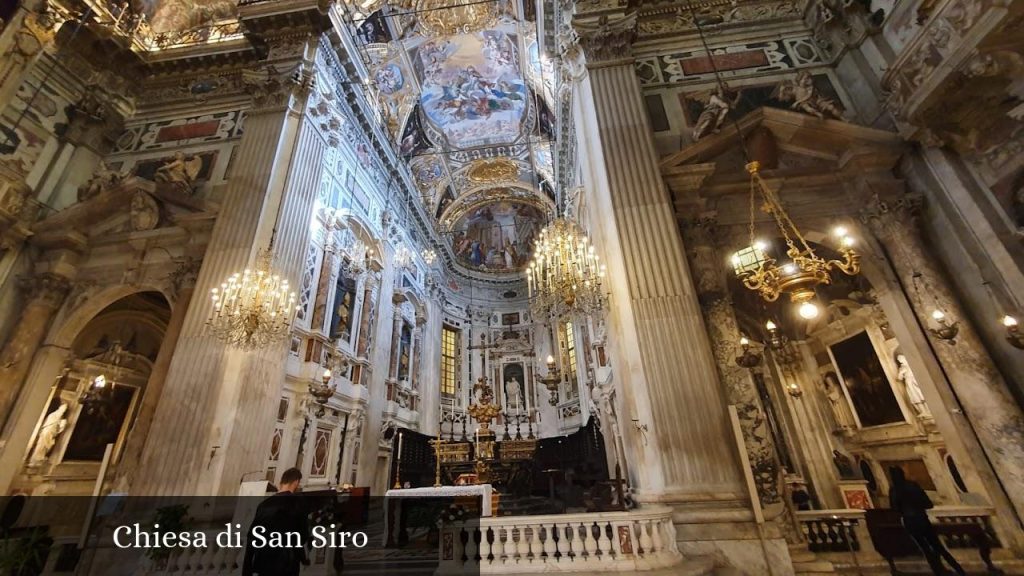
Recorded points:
(323, 392)
(641, 428)
(748, 359)
(947, 330)
(794, 390)
(95, 396)
(776, 339)
(1013, 334)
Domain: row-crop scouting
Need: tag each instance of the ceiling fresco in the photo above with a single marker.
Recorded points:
(466, 96)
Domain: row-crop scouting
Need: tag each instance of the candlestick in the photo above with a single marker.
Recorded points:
(398, 463)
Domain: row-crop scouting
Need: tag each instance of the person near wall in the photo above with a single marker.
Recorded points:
(282, 513)
(912, 503)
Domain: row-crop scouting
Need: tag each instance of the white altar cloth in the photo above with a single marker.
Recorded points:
(482, 490)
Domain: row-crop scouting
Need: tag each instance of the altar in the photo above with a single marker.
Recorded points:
(396, 529)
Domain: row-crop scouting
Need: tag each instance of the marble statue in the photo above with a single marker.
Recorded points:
(52, 427)
(514, 390)
(837, 402)
(905, 375)
(804, 97)
(180, 171)
(715, 110)
(102, 179)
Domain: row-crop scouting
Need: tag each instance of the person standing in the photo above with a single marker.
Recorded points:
(282, 513)
(912, 503)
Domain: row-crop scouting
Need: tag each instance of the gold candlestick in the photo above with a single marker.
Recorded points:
(437, 466)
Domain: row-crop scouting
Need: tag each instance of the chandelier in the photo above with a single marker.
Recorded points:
(804, 271)
(252, 308)
(429, 256)
(565, 275)
(403, 257)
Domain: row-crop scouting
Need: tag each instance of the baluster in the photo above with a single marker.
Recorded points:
(218, 562)
(209, 564)
(498, 547)
(656, 536)
(471, 546)
(604, 541)
(561, 542)
(458, 546)
(485, 545)
(589, 542)
(645, 538)
(536, 546)
(549, 543)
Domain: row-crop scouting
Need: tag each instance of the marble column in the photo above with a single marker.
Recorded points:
(44, 295)
(702, 235)
(661, 354)
(978, 388)
(185, 286)
(216, 415)
(365, 313)
(396, 336)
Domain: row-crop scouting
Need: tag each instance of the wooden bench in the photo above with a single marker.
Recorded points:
(892, 540)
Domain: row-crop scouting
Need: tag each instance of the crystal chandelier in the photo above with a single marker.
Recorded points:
(252, 308)
(565, 275)
(804, 270)
(429, 256)
(403, 257)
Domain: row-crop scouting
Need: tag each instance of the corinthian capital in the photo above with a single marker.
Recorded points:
(885, 215)
(273, 89)
(607, 39)
(46, 289)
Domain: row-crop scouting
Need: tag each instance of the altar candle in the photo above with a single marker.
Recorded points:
(400, 435)
(478, 443)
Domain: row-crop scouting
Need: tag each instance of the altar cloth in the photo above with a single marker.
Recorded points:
(485, 491)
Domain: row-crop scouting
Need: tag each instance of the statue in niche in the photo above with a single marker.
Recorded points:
(837, 401)
(844, 465)
(716, 107)
(804, 97)
(180, 172)
(905, 375)
(53, 426)
(102, 179)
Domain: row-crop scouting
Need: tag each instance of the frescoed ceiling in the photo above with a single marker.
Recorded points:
(466, 96)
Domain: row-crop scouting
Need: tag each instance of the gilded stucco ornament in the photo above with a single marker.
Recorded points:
(492, 171)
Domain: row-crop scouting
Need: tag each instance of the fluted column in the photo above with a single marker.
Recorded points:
(185, 278)
(44, 295)
(215, 417)
(701, 235)
(986, 402)
(661, 353)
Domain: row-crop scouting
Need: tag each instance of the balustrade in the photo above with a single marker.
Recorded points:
(614, 541)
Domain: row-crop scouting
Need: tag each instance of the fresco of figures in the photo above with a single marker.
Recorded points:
(473, 90)
(497, 237)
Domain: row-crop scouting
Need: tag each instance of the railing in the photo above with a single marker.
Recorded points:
(613, 541)
(833, 530)
(962, 515)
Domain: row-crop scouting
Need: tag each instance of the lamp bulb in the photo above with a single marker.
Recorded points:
(550, 359)
(808, 311)
(744, 341)
(770, 326)
(1009, 321)
(938, 315)
(840, 231)
(100, 381)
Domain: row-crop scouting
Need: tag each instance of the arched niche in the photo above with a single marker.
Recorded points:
(119, 343)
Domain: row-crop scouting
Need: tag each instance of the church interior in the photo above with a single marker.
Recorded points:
(673, 286)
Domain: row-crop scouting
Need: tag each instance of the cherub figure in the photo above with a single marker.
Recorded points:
(804, 97)
(102, 179)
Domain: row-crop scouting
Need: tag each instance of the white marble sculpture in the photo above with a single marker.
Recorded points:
(52, 427)
(837, 401)
(905, 375)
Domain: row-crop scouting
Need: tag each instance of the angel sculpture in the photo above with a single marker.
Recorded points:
(102, 179)
(717, 106)
(180, 172)
(805, 98)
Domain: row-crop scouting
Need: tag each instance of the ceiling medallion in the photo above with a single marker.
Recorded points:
(496, 170)
(450, 17)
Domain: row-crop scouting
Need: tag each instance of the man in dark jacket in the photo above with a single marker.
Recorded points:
(912, 503)
(282, 513)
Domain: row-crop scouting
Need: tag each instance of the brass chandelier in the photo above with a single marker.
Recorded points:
(804, 271)
(253, 308)
(565, 275)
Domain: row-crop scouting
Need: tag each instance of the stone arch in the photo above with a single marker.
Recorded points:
(364, 232)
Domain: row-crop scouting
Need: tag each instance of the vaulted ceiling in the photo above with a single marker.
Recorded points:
(465, 93)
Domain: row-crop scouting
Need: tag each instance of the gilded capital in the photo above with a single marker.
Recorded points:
(607, 39)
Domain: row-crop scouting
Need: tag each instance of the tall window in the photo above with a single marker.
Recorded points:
(570, 357)
(449, 357)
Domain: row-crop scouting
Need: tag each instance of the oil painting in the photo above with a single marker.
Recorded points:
(865, 381)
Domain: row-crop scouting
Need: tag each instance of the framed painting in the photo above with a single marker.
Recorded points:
(866, 384)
